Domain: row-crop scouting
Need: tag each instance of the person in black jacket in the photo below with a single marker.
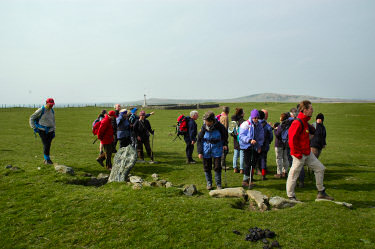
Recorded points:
(142, 131)
(191, 137)
(318, 142)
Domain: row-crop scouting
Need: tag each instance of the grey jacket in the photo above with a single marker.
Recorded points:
(47, 119)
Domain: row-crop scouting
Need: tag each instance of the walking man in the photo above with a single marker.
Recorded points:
(299, 143)
(42, 121)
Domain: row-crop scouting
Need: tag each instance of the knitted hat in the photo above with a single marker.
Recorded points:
(254, 114)
(112, 113)
(209, 116)
(134, 110)
(320, 116)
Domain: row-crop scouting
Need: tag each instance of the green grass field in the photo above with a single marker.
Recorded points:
(40, 209)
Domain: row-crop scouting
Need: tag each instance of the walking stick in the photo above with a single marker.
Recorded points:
(152, 146)
(251, 166)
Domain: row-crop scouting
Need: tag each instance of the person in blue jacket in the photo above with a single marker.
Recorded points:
(212, 140)
(251, 140)
(123, 128)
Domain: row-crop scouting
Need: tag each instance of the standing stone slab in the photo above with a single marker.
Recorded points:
(64, 169)
(228, 192)
(123, 162)
(260, 199)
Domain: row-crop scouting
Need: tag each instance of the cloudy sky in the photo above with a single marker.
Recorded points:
(111, 51)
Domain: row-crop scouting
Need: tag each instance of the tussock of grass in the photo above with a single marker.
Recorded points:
(41, 208)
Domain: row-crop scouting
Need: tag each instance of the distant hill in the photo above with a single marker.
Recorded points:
(262, 97)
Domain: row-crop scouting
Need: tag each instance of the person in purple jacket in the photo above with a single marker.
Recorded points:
(251, 140)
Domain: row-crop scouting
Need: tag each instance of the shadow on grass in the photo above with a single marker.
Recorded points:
(354, 187)
(362, 204)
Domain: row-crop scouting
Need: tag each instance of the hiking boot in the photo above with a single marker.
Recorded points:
(301, 185)
(264, 178)
(235, 170)
(192, 162)
(245, 184)
(277, 176)
(293, 198)
(48, 161)
(241, 171)
(219, 187)
(209, 187)
(323, 195)
(100, 161)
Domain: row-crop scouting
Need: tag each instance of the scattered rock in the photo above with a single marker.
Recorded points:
(146, 184)
(168, 185)
(39, 168)
(123, 162)
(228, 192)
(9, 166)
(260, 199)
(280, 203)
(135, 179)
(102, 176)
(137, 185)
(155, 177)
(345, 204)
(64, 169)
(237, 232)
(190, 190)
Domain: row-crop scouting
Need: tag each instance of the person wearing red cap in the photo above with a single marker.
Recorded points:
(42, 121)
(105, 135)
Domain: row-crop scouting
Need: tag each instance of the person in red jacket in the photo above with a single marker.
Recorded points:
(105, 135)
(299, 143)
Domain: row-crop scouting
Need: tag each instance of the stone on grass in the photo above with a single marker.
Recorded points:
(146, 184)
(137, 185)
(64, 169)
(280, 203)
(155, 177)
(9, 166)
(123, 162)
(345, 204)
(135, 179)
(190, 190)
(103, 176)
(168, 185)
(228, 192)
(260, 199)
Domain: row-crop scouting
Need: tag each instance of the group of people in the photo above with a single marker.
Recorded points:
(297, 143)
(127, 129)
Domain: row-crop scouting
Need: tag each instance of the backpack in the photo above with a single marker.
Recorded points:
(218, 117)
(95, 126)
(285, 132)
(36, 121)
(132, 119)
(182, 125)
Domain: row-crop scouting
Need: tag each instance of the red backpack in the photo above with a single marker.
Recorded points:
(95, 126)
(182, 125)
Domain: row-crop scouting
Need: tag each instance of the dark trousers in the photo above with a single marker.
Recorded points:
(146, 143)
(46, 140)
(207, 164)
(125, 141)
(189, 150)
(263, 159)
(108, 149)
(251, 157)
